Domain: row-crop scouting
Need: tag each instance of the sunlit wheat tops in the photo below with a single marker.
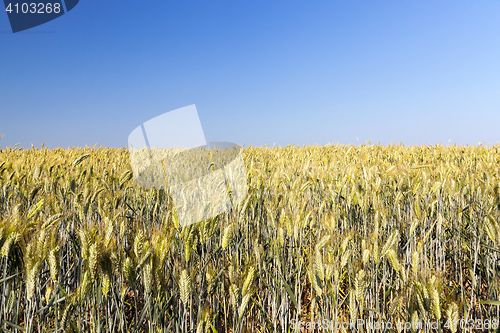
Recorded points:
(381, 233)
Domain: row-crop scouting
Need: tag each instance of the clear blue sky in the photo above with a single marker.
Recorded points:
(259, 71)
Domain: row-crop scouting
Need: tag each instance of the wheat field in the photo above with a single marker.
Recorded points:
(340, 233)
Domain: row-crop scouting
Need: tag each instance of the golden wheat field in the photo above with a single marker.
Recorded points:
(327, 234)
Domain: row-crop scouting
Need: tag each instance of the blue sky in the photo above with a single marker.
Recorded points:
(284, 72)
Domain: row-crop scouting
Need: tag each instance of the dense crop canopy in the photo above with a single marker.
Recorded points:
(383, 233)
